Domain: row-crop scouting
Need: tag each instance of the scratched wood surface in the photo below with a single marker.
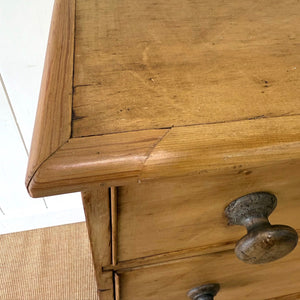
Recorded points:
(237, 279)
(146, 64)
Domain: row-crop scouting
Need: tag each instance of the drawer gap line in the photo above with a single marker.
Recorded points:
(169, 257)
(114, 225)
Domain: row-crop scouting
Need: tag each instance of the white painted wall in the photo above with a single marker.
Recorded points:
(24, 27)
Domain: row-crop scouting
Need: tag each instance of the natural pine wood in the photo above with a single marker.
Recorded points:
(126, 78)
(85, 161)
(97, 210)
(175, 214)
(114, 224)
(119, 159)
(53, 119)
(117, 287)
(149, 64)
(213, 148)
(180, 107)
(295, 296)
(168, 257)
(237, 279)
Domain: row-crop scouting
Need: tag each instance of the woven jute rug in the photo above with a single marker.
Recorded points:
(52, 263)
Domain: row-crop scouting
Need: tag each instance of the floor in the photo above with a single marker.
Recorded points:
(24, 27)
(53, 263)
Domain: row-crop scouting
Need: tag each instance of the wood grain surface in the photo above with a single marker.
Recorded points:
(168, 257)
(132, 157)
(155, 64)
(187, 212)
(237, 279)
(114, 225)
(183, 106)
(294, 296)
(53, 119)
(216, 77)
(97, 210)
(190, 150)
(83, 161)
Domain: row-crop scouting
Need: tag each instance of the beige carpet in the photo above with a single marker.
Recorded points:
(50, 263)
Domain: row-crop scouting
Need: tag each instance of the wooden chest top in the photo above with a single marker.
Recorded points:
(137, 90)
(155, 64)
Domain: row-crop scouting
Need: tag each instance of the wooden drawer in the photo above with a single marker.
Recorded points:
(184, 213)
(237, 279)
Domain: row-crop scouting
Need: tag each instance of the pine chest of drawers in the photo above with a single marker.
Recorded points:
(162, 113)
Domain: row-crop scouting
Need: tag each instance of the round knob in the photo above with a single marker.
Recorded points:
(264, 242)
(204, 292)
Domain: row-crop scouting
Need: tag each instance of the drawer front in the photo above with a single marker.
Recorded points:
(237, 279)
(187, 213)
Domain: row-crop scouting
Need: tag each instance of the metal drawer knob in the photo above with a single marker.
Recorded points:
(204, 292)
(264, 242)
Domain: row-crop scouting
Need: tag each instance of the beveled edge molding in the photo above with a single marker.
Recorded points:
(82, 162)
(202, 150)
(54, 113)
